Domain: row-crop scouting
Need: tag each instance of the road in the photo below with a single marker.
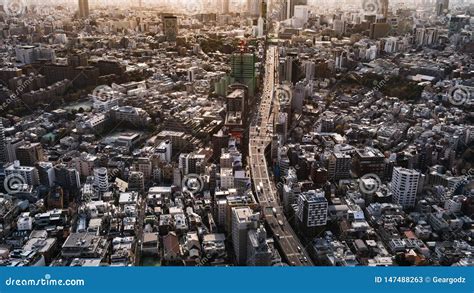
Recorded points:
(261, 133)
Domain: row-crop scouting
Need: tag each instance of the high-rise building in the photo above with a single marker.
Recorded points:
(191, 163)
(258, 252)
(237, 112)
(136, 181)
(225, 6)
(289, 67)
(55, 198)
(376, 10)
(289, 194)
(220, 140)
(404, 186)
(12, 144)
(235, 101)
(243, 69)
(302, 13)
(369, 160)
(3, 145)
(339, 26)
(260, 27)
(67, 178)
(170, 27)
(291, 6)
(243, 220)
(46, 173)
(227, 178)
(253, 8)
(312, 210)
(29, 154)
(384, 9)
(263, 9)
(83, 8)
(101, 179)
(339, 166)
(426, 36)
(379, 30)
(442, 7)
(29, 175)
(164, 150)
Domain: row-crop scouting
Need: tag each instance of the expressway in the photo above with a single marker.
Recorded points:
(261, 133)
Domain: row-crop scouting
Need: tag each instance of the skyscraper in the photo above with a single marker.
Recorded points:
(136, 181)
(243, 70)
(442, 7)
(291, 6)
(262, 20)
(101, 179)
(3, 145)
(29, 175)
(263, 9)
(339, 166)
(253, 8)
(312, 211)
(225, 6)
(30, 153)
(404, 186)
(260, 27)
(259, 252)
(243, 220)
(170, 27)
(384, 9)
(83, 8)
(237, 112)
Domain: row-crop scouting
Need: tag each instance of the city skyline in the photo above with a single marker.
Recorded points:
(237, 133)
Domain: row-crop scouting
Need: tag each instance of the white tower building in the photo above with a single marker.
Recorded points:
(404, 186)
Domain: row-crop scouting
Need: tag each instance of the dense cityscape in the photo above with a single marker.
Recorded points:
(236, 133)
